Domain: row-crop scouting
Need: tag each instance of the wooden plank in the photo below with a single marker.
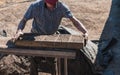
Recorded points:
(7, 47)
(51, 38)
(65, 66)
(54, 41)
(76, 39)
(62, 41)
(43, 53)
(40, 37)
(63, 38)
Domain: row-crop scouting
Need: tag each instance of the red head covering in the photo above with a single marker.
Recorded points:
(52, 2)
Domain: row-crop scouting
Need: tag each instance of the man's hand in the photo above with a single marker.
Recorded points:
(85, 35)
(17, 35)
(85, 38)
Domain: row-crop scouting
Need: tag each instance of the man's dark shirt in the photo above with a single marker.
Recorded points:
(45, 21)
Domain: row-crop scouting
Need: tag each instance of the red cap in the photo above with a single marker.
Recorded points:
(52, 2)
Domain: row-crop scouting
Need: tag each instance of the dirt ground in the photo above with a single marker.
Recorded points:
(92, 13)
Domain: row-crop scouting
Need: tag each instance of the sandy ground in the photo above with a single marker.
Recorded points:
(92, 13)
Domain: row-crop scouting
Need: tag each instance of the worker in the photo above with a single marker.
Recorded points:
(47, 15)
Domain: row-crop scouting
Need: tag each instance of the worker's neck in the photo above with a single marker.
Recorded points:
(49, 6)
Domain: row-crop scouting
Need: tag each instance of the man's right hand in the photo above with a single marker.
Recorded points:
(85, 38)
(17, 35)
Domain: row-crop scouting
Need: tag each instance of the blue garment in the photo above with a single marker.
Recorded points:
(45, 21)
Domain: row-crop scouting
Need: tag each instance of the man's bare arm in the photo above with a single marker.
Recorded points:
(20, 29)
(79, 25)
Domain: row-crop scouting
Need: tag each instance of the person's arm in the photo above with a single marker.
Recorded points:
(21, 24)
(68, 14)
(79, 25)
(19, 29)
(28, 15)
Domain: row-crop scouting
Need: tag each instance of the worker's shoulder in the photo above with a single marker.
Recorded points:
(62, 5)
(37, 3)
